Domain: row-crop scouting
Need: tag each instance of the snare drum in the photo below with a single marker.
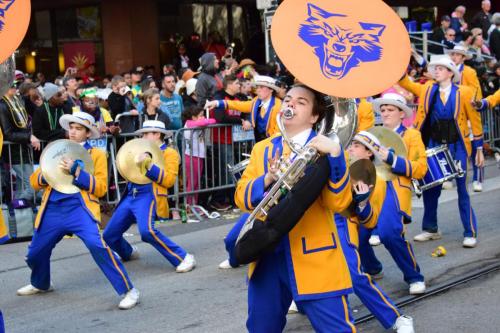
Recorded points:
(237, 170)
(441, 168)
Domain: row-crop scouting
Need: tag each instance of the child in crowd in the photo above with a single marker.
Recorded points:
(194, 117)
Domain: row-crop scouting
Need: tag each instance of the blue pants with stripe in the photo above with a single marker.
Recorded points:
(2, 327)
(59, 219)
(270, 296)
(431, 198)
(140, 207)
(367, 290)
(232, 236)
(391, 232)
(477, 172)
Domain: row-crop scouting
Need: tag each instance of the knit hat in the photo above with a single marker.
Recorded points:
(49, 90)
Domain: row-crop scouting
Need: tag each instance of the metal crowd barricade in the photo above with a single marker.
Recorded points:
(211, 174)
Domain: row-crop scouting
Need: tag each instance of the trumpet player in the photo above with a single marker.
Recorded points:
(396, 210)
(145, 203)
(308, 264)
(443, 111)
(76, 213)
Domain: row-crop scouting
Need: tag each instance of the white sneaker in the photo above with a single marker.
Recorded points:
(225, 265)
(417, 288)
(404, 324)
(374, 240)
(31, 290)
(130, 300)
(135, 253)
(293, 308)
(427, 236)
(477, 186)
(187, 264)
(447, 185)
(469, 242)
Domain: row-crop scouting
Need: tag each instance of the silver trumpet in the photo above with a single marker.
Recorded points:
(340, 125)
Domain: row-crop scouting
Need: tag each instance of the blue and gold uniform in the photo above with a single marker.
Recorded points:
(264, 123)
(144, 204)
(456, 109)
(308, 265)
(78, 214)
(3, 228)
(367, 290)
(396, 210)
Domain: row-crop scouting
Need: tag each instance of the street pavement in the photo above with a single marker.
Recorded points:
(212, 300)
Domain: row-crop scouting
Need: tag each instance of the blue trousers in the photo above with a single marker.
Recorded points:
(2, 327)
(270, 296)
(367, 290)
(232, 236)
(431, 198)
(140, 207)
(477, 172)
(59, 219)
(391, 232)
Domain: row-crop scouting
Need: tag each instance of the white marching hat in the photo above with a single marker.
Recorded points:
(266, 81)
(445, 61)
(152, 126)
(83, 119)
(393, 99)
(460, 49)
(368, 140)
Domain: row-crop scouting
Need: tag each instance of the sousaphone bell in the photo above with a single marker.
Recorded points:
(53, 174)
(127, 160)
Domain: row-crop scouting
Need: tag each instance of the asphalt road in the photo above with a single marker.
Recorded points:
(210, 300)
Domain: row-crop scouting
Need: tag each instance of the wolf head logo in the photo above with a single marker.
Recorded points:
(340, 44)
(4, 7)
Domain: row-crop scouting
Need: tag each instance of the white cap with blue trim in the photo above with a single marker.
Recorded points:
(155, 126)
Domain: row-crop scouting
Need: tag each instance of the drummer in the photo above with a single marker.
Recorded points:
(145, 203)
(443, 112)
(77, 213)
(396, 210)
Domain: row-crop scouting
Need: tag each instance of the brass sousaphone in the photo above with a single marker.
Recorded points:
(127, 164)
(54, 175)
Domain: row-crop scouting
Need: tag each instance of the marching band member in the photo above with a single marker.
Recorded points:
(366, 116)
(468, 75)
(308, 265)
(366, 215)
(263, 108)
(4, 236)
(145, 203)
(442, 116)
(488, 102)
(76, 213)
(396, 210)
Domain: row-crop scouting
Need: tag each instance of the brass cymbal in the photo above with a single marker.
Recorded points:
(49, 164)
(360, 170)
(126, 159)
(389, 139)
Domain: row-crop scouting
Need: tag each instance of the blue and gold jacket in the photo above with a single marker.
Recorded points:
(315, 259)
(162, 179)
(461, 97)
(92, 187)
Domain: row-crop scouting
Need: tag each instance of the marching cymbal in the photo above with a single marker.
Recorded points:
(389, 139)
(56, 177)
(126, 159)
(360, 170)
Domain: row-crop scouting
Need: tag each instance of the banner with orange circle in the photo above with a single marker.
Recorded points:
(14, 21)
(354, 48)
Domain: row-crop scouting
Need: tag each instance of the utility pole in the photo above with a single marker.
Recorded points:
(269, 8)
